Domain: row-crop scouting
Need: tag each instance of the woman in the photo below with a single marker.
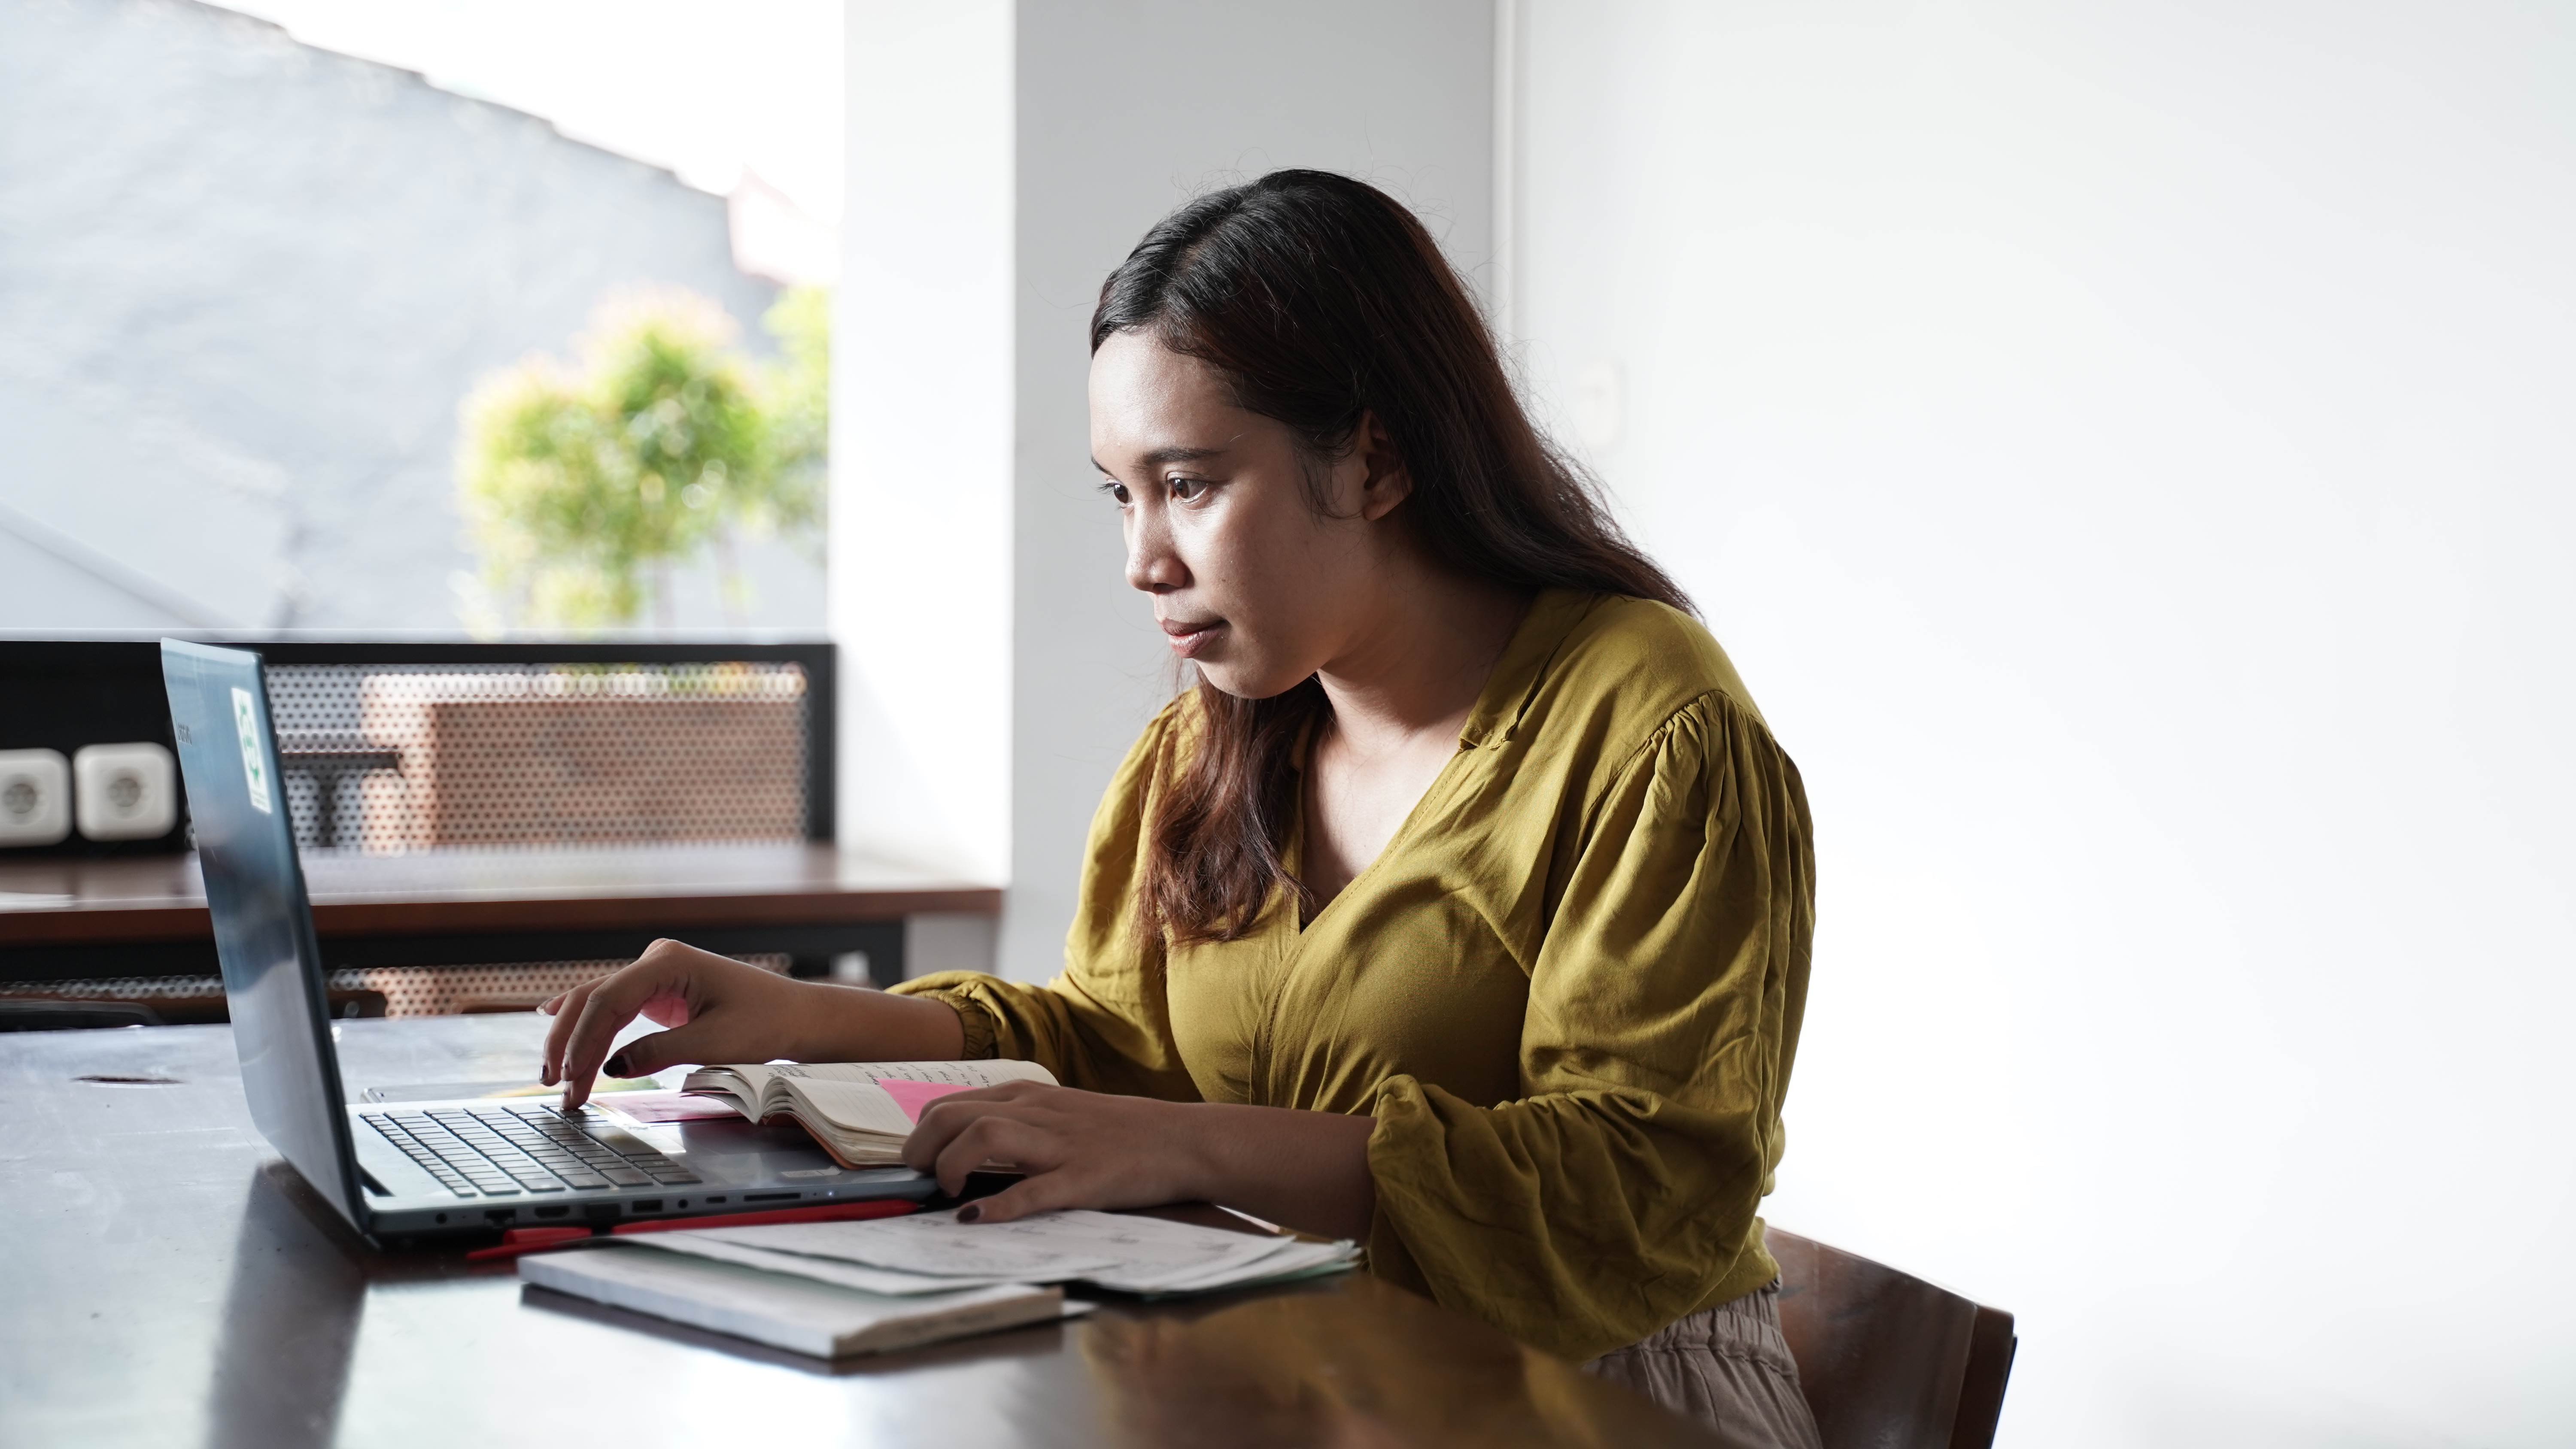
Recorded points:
(1462, 908)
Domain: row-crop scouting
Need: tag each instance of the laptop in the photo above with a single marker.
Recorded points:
(402, 1169)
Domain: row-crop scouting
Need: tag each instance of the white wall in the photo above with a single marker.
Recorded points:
(1003, 159)
(921, 557)
(2128, 456)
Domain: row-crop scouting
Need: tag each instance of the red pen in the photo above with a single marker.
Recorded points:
(515, 1241)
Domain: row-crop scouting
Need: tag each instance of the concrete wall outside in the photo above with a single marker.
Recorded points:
(248, 283)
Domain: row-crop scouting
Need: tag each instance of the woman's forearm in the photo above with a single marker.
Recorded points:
(850, 1024)
(1304, 1170)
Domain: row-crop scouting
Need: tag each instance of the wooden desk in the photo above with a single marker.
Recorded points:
(167, 1281)
(146, 915)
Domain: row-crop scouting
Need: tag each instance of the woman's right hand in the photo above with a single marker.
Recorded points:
(718, 1009)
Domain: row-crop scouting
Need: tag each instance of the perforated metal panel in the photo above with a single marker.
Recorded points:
(120, 988)
(408, 990)
(451, 990)
(394, 758)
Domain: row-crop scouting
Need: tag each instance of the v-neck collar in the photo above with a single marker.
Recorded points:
(1497, 713)
(1514, 682)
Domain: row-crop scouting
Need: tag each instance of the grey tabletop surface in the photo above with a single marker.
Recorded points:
(166, 1280)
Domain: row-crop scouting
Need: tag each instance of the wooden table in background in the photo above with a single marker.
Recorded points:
(168, 1281)
(146, 915)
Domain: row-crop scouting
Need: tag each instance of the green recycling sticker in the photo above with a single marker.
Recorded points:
(254, 761)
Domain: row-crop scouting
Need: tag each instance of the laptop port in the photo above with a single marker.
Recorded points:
(645, 1205)
(553, 1212)
(501, 1215)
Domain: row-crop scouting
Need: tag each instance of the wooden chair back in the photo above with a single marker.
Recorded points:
(1889, 1361)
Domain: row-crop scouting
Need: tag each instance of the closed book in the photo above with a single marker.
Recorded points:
(821, 1320)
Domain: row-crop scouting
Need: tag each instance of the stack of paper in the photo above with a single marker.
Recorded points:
(935, 1253)
(833, 1289)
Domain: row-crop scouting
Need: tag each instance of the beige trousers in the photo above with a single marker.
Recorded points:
(1727, 1367)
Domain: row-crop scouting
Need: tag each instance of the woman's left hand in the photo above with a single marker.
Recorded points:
(1078, 1149)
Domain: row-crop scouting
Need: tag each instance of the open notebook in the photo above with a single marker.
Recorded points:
(859, 1111)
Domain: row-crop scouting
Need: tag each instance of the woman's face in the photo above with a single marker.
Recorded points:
(1249, 581)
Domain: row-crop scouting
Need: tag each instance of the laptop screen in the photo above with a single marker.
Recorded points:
(263, 923)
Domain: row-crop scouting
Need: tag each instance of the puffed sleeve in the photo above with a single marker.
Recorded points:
(1620, 1192)
(1103, 1024)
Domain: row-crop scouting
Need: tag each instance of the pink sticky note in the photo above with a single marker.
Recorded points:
(668, 1106)
(913, 1096)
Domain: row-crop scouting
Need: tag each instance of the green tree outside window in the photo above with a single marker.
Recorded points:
(585, 486)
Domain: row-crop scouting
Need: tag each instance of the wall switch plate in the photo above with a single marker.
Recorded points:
(35, 797)
(125, 792)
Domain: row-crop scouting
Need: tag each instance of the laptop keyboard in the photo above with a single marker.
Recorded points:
(508, 1151)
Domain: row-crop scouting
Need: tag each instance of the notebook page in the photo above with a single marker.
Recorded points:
(1288, 1258)
(991, 1073)
(1048, 1247)
(1294, 1259)
(854, 1107)
(821, 1270)
(845, 1094)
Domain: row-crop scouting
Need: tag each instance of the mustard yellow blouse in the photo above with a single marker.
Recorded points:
(1568, 990)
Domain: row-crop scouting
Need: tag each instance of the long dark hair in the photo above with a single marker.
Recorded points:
(1321, 300)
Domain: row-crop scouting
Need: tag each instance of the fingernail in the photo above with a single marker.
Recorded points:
(617, 1065)
(545, 1076)
(969, 1213)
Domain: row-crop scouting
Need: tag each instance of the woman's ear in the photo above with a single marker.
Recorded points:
(1384, 482)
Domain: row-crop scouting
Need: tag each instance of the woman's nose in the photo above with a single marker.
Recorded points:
(1152, 566)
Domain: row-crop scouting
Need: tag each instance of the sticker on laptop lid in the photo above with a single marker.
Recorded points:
(254, 761)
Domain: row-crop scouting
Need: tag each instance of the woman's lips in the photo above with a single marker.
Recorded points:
(1189, 639)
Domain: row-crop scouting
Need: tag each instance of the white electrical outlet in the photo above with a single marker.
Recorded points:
(35, 797)
(126, 792)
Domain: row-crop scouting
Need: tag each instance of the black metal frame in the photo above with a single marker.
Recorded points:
(25, 722)
(134, 666)
(809, 950)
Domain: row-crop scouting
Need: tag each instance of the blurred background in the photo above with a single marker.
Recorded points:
(2127, 450)
(253, 274)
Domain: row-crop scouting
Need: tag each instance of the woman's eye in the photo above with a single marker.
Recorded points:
(1187, 489)
(1115, 489)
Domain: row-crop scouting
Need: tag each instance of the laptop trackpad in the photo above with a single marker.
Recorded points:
(735, 1153)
